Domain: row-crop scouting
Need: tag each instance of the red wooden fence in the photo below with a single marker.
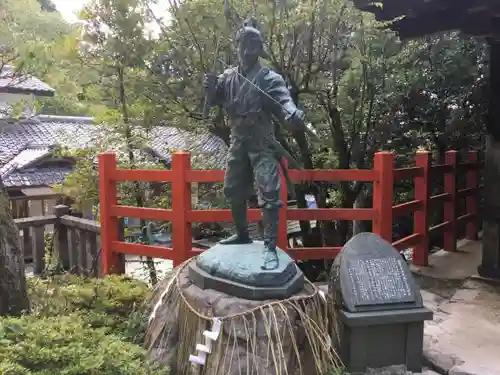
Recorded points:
(383, 176)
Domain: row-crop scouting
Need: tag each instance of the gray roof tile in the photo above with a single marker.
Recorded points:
(23, 143)
(17, 83)
(205, 146)
(36, 177)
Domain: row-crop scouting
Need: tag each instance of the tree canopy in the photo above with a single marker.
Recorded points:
(362, 88)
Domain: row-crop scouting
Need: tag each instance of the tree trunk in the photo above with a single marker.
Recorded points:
(490, 266)
(13, 292)
(359, 226)
(139, 193)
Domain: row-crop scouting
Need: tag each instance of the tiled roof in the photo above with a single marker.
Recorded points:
(11, 82)
(25, 157)
(165, 139)
(25, 142)
(45, 176)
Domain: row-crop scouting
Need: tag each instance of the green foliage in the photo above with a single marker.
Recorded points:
(78, 326)
(362, 88)
(66, 345)
(29, 36)
(114, 302)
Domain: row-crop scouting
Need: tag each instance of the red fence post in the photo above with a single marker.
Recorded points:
(181, 205)
(471, 202)
(450, 205)
(421, 217)
(283, 223)
(383, 190)
(110, 261)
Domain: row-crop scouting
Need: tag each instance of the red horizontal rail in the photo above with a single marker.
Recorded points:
(409, 241)
(330, 214)
(441, 226)
(224, 215)
(147, 175)
(441, 169)
(471, 166)
(305, 214)
(194, 252)
(305, 253)
(407, 208)
(300, 253)
(204, 176)
(462, 193)
(383, 175)
(440, 198)
(407, 173)
(144, 250)
(144, 213)
(340, 175)
(364, 175)
(467, 217)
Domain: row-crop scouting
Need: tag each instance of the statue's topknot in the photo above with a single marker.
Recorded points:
(251, 22)
(250, 30)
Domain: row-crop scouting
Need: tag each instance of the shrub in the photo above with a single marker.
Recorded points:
(116, 303)
(32, 345)
(78, 326)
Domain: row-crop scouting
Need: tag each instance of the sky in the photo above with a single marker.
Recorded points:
(68, 8)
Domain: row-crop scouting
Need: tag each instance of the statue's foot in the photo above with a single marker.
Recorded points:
(270, 260)
(236, 240)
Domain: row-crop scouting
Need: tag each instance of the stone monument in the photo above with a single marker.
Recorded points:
(379, 308)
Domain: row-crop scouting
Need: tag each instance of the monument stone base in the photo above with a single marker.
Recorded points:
(378, 305)
(295, 330)
(382, 338)
(236, 270)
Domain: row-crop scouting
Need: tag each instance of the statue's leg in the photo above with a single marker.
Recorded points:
(268, 182)
(238, 183)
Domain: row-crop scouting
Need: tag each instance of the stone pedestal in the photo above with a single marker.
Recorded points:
(257, 337)
(382, 338)
(236, 270)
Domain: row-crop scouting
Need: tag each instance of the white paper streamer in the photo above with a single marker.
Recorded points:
(205, 349)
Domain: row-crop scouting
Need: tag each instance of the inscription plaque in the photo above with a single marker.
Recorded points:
(373, 276)
(379, 281)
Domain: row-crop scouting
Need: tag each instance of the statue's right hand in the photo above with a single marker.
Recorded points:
(210, 81)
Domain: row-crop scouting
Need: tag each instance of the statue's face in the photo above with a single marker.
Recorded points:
(249, 51)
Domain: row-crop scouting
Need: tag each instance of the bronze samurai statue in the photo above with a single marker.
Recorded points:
(251, 95)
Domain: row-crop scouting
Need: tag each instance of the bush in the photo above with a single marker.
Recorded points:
(66, 345)
(78, 326)
(115, 303)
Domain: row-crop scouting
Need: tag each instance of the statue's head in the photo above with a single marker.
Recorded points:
(250, 43)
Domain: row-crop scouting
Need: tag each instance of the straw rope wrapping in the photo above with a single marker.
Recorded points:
(276, 337)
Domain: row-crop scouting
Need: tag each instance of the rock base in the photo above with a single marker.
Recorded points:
(257, 337)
